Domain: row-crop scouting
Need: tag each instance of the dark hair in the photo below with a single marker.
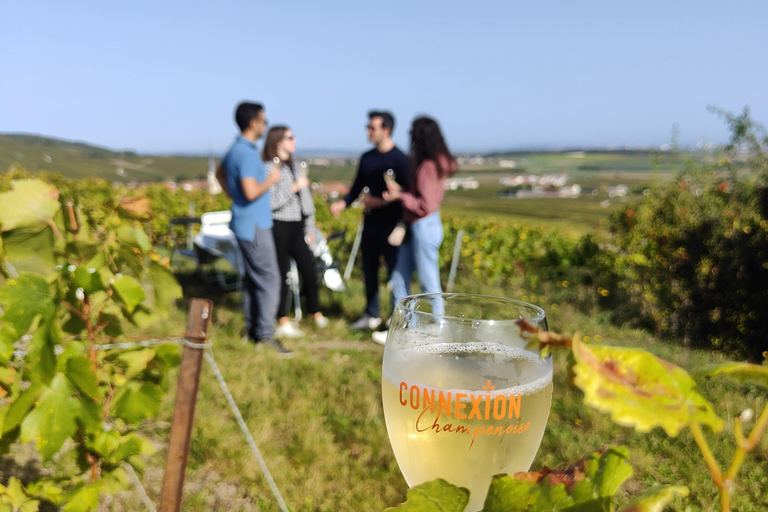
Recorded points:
(387, 119)
(245, 113)
(274, 135)
(427, 143)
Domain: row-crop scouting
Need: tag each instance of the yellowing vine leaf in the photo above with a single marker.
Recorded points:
(743, 372)
(640, 390)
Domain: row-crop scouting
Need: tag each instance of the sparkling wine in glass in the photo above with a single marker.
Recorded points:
(463, 398)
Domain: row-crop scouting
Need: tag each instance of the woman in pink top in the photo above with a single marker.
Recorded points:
(433, 163)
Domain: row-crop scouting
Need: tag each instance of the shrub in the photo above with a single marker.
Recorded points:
(692, 258)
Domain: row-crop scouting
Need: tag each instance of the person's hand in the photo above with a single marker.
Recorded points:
(337, 207)
(393, 191)
(301, 182)
(272, 178)
(310, 237)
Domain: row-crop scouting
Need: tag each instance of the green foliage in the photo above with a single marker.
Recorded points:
(590, 485)
(692, 259)
(95, 273)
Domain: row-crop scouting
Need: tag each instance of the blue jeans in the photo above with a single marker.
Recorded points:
(419, 252)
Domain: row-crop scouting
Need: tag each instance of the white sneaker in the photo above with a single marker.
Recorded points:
(288, 330)
(380, 337)
(321, 322)
(366, 322)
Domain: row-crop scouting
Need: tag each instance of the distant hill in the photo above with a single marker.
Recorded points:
(82, 160)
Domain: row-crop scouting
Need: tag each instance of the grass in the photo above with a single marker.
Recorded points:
(318, 421)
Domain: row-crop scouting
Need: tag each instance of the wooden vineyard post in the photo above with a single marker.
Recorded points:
(186, 397)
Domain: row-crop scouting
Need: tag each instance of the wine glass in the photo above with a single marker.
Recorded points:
(463, 398)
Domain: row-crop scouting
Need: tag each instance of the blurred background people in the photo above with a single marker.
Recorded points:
(380, 216)
(293, 215)
(432, 163)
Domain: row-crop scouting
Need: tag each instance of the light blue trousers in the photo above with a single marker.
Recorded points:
(419, 253)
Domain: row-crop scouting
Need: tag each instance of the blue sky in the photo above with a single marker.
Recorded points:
(165, 76)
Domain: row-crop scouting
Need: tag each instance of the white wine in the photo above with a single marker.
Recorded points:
(465, 412)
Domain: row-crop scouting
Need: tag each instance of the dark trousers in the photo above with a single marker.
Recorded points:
(290, 243)
(261, 284)
(373, 246)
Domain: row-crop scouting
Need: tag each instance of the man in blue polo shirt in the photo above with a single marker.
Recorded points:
(244, 177)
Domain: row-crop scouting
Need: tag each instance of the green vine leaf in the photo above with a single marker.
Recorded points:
(136, 361)
(14, 499)
(743, 372)
(53, 420)
(79, 371)
(640, 390)
(130, 291)
(31, 248)
(24, 298)
(137, 401)
(435, 496)
(587, 486)
(83, 498)
(87, 279)
(167, 288)
(21, 406)
(28, 203)
(8, 337)
(655, 499)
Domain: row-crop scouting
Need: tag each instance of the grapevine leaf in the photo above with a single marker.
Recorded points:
(80, 372)
(87, 279)
(53, 420)
(31, 247)
(167, 288)
(45, 489)
(105, 443)
(168, 353)
(655, 498)
(137, 401)
(81, 251)
(743, 372)
(131, 257)
(135, 208)
(136, 360)
(134, 236)
(41, 355)
(21, 406)
(142, 240)
(129, 445)
(435, 496)
(24, 298)
(83, 498)
(142, 317)
(30, 202)
(8, 337)
(90, 416)
(15, 496)
(130, 291)
(587, 486)
(639, 389)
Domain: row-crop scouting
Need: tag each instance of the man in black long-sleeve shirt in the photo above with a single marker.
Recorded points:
(380, 217)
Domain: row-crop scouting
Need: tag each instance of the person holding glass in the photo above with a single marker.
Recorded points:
(293, 215)
(433, 163)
